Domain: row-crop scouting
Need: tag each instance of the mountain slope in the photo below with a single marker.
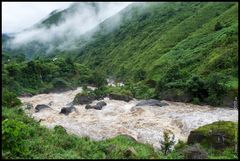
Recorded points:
(168, 35)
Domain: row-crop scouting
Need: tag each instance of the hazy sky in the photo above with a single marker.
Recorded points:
(20, 15)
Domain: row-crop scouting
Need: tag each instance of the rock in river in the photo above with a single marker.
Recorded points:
(151, 102)
(120, 97)
(98, 106)
(40, 107)
(67, 110)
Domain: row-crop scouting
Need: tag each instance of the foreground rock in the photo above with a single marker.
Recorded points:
(40, 107)
(67, 110)
(151, 102)
(219, 135)
(195, 152)
(82, 99)
(120, 97)
(98, 106)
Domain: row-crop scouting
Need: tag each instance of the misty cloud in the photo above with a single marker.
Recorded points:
(85, 18)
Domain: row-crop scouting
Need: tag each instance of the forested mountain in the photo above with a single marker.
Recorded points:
(162, 45)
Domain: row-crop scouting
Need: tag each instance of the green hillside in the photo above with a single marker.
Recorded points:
(168, 43)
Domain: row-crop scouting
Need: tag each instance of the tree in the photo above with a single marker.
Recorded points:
(167, 143)
(196, 87)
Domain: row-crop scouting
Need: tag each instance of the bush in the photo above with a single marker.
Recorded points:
(9, 99)
(218, 26)
(13, 136)
(59, 83)
(196, 87)
(167, 143)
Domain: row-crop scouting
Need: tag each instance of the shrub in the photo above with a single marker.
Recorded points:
(13, 135)
(9, 99)
(167, 143)
(59, 83)
(218, 26)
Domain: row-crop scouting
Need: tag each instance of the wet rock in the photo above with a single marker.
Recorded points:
(98, 106)
(67, 110)
(102, 103)
(219, 135)
(120, 97)
(195, 152)
(82, 99)
(40, 107)
(88, 107)
(151, 102)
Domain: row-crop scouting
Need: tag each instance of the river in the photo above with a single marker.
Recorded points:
(145, 123)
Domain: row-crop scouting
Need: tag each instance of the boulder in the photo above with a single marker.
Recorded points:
(195, 152)
(219, 135)
(40, 107)
(98, 106)
(151, 102)
(102, 103)
(120, 97)
(67, 110)
(82, 99)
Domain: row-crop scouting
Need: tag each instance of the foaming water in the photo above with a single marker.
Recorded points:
(145, 123)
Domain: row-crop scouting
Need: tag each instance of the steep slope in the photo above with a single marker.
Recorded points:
(163, 39)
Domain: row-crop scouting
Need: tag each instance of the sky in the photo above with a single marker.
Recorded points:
(17, 16)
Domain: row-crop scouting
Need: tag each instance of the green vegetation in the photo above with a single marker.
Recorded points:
(218, 135)
(168, 44)
(23, 137)
(43, 75)
(183, 51)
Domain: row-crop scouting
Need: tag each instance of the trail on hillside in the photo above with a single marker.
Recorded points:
(145, 123)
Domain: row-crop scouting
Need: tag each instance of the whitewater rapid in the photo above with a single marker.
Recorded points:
(145, 123)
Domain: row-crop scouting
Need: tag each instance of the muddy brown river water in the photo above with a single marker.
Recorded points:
(145, 123)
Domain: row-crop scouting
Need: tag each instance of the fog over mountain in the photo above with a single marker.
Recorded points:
(68, 24)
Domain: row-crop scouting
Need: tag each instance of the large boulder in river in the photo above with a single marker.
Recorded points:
(98, 106)
(40, 107)
(81, 98)
(219, 135)
(151, 102)
(67, 110)
(120, 97)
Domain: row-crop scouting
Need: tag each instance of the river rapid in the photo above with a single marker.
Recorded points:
(145, 123)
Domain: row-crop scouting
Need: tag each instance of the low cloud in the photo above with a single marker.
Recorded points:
(85, 18)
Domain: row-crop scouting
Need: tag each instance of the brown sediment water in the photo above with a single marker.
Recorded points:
(145, 123)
